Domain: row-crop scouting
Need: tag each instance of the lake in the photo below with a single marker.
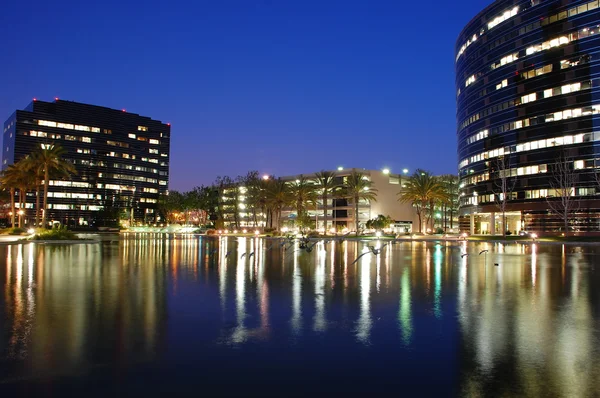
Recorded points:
(159, 315)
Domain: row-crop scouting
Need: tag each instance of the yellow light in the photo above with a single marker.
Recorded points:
(235, 231)
(21, 212)
(265, 177)
(378, 234)
(244, 230)
(256, 232)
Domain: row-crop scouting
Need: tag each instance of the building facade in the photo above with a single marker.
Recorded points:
(339, 209)
(527, 107)
(121, 158)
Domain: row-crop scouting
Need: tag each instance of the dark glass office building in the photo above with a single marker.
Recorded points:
(122, 160)
(528, 102)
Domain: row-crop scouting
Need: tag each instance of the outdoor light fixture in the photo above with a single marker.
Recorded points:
(378, 234)
(244, 230)
(265, 177)
(31, 231)
(405, 171)
(340, 168)
(256, 232)
(386, 171)
(534, 236)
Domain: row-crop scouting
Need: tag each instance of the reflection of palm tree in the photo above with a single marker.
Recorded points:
(359, 187)
(325, 182)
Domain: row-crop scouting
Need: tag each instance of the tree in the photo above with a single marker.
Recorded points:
(562, 181)
(303, 192)
(503, 187)
(422, 190)
(325, 182)
(9, 181)
(380, 222)
(359, 187)
(277, 194)
(451, 198)
(35, 167)
(50, 160)
(220, 185)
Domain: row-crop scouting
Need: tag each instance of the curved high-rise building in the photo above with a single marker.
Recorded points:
(528, 101)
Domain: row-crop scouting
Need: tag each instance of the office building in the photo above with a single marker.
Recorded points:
(121, 158)
(526, 116)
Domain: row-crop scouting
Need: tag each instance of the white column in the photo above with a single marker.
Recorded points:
(492, 223)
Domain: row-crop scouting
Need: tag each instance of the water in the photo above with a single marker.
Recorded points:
(154, 315)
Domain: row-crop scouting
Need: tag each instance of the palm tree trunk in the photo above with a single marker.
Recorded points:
(356, 213)
(37, 206)
(12, 207)
(45, 208)
(20, 208)
(325, 211)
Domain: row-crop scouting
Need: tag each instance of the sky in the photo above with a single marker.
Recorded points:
(279, 86)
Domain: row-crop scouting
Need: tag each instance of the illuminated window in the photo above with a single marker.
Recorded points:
(131, 135)
(155, 142)
(470, 81)
(153, 150)
(142, 128)
(503, 17)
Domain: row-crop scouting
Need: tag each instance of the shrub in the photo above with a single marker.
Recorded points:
(313, 234)
(17, 231)
(439, 231)
(269, 230)
(55, 234)
(211, 232)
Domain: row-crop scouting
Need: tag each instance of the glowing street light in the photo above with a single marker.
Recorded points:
(265, 177)
(340, 168)
(386, 171)
(405, 171)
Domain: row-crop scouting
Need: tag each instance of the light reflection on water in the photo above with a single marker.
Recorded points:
(148, 304)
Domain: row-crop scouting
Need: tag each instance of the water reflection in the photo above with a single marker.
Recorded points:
(528, 326)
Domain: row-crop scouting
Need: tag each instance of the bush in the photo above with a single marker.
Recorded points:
(269, 230)
(55, 234)
(211, 232)
(16, 231)
(313, 234)
(508, 233)
(439, 231)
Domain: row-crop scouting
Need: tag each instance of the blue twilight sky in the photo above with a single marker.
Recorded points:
(280, 86)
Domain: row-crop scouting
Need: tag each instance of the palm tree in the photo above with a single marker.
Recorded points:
(35, 167)
(303, 193)
(50, 160)
(358, 186)
(9, 181)
(277, 196)
(326, 183)
(422, 190)
(23, 181)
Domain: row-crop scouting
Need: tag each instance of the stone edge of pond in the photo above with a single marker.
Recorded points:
(56, 242)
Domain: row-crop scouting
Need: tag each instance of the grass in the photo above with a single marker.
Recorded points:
(55, 234)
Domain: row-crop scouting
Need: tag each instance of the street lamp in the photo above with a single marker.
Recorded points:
(340, 168)
(386, 171)
(265, 177)
(405, 171)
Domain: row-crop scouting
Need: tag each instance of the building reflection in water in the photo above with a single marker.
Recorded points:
(531, 320)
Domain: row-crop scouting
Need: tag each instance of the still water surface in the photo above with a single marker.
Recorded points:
(164, 315)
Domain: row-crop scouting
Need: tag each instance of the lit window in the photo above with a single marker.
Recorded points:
(155, 142)
(131, 135)
(142, 128)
